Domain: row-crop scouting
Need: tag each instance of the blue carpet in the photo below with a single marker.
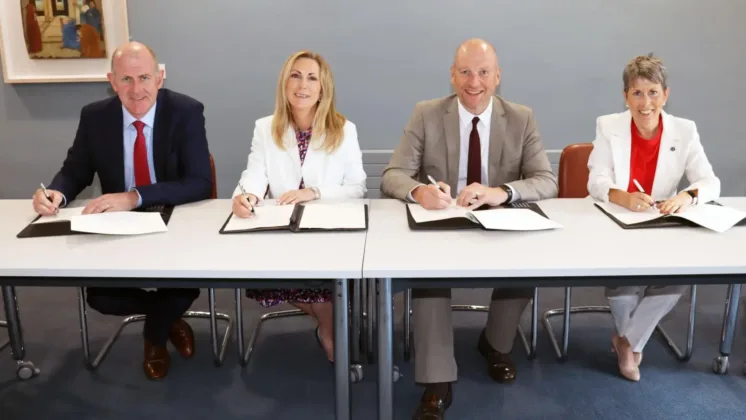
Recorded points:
(288, 377)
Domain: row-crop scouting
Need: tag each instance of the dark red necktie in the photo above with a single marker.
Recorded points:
(142, 169)
(474, 165)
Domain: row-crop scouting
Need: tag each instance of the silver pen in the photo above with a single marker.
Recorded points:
(243, 192)
(432, 181)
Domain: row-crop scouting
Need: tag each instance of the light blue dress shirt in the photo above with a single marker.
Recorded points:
(130, 135)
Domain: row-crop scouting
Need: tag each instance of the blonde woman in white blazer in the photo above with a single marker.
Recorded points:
(649, 147)
(305, 151)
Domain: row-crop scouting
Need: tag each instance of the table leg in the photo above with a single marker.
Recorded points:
(342, 407)
(385, 350)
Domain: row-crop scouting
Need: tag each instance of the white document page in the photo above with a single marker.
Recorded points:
(629, 217)
(265, 216)
(420, 215)
(333, 216)
(713, 217)
(514, 219)
(62, 215)
(119, 223)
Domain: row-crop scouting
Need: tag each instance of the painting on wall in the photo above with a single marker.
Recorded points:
(60, 40)
(64, 28)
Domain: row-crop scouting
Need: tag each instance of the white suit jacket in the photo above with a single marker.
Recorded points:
(681, 153)
(336, 175)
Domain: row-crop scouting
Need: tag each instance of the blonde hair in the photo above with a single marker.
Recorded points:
(644, 67)
(327, 121)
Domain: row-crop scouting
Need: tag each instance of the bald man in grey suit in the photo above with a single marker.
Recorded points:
(488, 151)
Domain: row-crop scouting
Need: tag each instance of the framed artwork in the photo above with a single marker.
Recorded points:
(57, 41)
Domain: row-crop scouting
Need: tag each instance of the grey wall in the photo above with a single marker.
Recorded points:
(563, 58)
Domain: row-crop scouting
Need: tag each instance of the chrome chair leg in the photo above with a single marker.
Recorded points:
(528, 345)
(568, 310)
(4, 344)
(93, 364)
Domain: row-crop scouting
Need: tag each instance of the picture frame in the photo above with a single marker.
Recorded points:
(18, 67)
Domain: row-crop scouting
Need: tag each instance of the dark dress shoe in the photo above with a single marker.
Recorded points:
(434, 404)
(182, 337)
(156, 361)
(499, 365)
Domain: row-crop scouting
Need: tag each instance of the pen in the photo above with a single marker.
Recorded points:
(432, 181)
(243, 192)
(46, 194)
(639, 188)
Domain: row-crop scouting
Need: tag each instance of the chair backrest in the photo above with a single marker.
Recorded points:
(573, 170)
(214, 179)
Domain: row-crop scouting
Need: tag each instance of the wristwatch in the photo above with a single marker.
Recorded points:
(508, 191)
(693, 195)
(316, 193)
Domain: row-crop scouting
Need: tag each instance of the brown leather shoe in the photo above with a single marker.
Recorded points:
(433, 405)
(182, 337)
(500, 366)
(156, 361)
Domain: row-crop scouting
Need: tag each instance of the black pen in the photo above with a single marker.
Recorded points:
(243, 192)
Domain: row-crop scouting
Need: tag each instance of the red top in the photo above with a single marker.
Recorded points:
(644, 159)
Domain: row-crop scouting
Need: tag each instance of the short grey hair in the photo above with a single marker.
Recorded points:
(645, 67)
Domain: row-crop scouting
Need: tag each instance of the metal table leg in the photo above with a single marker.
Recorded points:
(342, 407)
(25, 370)
(385, 351)
(730, 318)
(356, 321)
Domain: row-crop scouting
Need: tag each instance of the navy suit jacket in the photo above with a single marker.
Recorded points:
(180, 153)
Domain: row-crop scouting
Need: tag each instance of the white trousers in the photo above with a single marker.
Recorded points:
(638, 310)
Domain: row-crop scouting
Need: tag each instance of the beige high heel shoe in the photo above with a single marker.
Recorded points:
(627, 361)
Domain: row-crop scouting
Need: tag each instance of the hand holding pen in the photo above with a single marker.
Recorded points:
(436, 195)
(47, 202)
(639, 201)
(243, 204)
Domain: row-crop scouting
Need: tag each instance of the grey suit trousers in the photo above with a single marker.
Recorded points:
(434, 359)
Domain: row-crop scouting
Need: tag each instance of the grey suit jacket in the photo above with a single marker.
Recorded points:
(430, 145)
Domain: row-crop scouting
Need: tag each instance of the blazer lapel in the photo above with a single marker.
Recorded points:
(291, 147)
(667, 159)
(497, 137)
(621, 143)
(115, 131)
(453, 144)
(161, 131)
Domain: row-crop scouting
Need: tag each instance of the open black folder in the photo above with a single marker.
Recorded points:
(711, 215)
(62, 227)
(321, 218)
(461, 222)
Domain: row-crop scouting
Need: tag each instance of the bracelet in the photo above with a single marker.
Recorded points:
(316, 193)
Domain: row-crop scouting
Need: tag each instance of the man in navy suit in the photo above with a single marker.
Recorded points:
(148, 147)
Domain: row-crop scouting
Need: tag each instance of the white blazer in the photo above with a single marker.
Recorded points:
(336, 175)
(680, 153)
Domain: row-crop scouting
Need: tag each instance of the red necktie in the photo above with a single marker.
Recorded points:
(474, 165)
(142, 169)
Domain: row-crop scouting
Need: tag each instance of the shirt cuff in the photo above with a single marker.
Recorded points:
(139, 198)
(516, 196)
(409, 195)
(64, 200)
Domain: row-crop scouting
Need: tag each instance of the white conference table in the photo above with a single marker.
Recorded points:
(590, 250)
(191, 254)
